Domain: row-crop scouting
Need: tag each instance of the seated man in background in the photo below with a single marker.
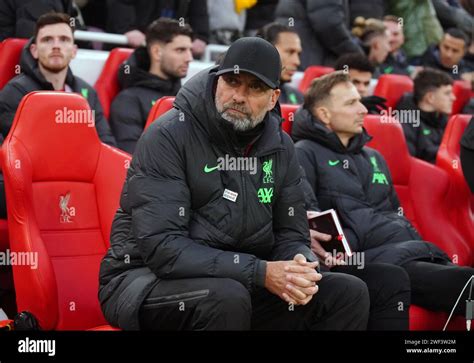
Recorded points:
(428, 109)
(360, 72)
(375, 40)
(355, 180)
(448, 55)
(45, 67)
(150, 73)
(396, 61)
(287, 41)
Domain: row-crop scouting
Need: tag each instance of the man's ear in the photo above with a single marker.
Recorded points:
(156, 52)
(323, 114)
(34, 50)
(429, 97)
(274, 98)
(376, 43)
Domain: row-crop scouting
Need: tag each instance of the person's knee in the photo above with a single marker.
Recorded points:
(351, 289)
(390, 278)
(230, 298)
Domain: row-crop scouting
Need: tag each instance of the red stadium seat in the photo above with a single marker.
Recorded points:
(448, 159)
(288, 113)
(311, 73)
(10, 52)
(62, 195)
(164, 104)
(107, 85)
(462, 91)
(422, 189)
(422, 319)
(392, 87)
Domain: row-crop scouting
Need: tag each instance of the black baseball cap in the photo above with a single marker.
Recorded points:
(255, 56)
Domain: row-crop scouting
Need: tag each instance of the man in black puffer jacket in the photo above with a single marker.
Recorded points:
(355, 181)
(48, 70)
(149, 74)
(212, 211)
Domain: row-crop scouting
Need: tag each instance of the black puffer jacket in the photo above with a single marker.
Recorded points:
(367, 9)
(32, 80)
(423, 139)
(18, 17)
(356, 182)
(323, 27)
(126, 15)
(174, 222)
(141, 89)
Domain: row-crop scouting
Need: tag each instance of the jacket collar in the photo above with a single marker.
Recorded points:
(308, 127)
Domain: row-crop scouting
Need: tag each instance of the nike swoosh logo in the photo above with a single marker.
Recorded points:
(208, 169)
(333, 163)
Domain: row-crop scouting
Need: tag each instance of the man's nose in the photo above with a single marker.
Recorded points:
(296, 60)
(240, 93)
(362, 109)
(189, 56)
(56, 43)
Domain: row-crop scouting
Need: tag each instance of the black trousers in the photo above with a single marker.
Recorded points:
(437, 286)
(342, 303)
(389, 291)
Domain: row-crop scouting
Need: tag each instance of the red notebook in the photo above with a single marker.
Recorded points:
(328, 222)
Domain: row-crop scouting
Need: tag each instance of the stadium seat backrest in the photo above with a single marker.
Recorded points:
(10, 52)
(462, 91)
(288, 113)
(63, 188)
(421, 187)
(448, 159)
(161, 106)
(392, 87)
(107, 85)
(311, 73)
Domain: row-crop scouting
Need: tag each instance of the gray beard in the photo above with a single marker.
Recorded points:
(241, 124)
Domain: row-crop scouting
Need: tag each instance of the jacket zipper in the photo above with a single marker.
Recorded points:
(244, 200)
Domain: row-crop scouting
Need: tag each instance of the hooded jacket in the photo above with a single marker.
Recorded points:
(141, 89)
(356, 182)
(423, 139)
(31, 80)
(182, 216)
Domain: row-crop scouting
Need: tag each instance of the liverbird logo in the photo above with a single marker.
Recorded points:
(267, 169)
(66, 212)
